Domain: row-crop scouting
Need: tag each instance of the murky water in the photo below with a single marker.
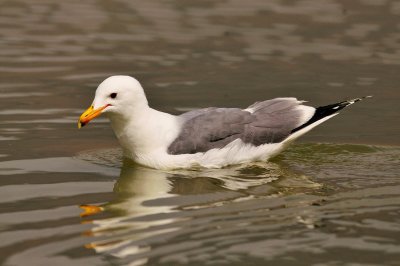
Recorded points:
(315, 204)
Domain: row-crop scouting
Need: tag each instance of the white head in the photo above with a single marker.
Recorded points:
(116, 95)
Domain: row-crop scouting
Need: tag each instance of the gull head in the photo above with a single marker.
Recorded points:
(116, 95)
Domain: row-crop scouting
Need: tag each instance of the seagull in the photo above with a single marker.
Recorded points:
(210, 137)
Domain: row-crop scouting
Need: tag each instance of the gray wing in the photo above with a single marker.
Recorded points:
(263, 122)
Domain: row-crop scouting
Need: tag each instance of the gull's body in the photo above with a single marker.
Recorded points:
(211, 137)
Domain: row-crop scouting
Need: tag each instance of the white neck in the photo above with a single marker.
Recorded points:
(144, 130)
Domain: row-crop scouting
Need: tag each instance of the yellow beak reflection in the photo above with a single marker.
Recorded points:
(90, 114)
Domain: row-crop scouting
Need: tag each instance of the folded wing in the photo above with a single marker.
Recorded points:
(270, 121)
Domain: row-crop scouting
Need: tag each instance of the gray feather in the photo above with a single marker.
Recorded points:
(269, 121)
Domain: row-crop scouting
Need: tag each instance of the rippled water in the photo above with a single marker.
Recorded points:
(67, 199)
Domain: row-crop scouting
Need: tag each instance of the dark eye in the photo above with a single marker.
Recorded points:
(113, 95)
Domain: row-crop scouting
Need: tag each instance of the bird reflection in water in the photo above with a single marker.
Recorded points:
(152, 206)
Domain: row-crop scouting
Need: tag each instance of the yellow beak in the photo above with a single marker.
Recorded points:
(90, 114)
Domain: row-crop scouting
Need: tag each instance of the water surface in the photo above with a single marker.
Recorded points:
(331, 199)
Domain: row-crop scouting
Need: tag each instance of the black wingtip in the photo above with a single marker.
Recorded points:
(324, 111)
(357, 99)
